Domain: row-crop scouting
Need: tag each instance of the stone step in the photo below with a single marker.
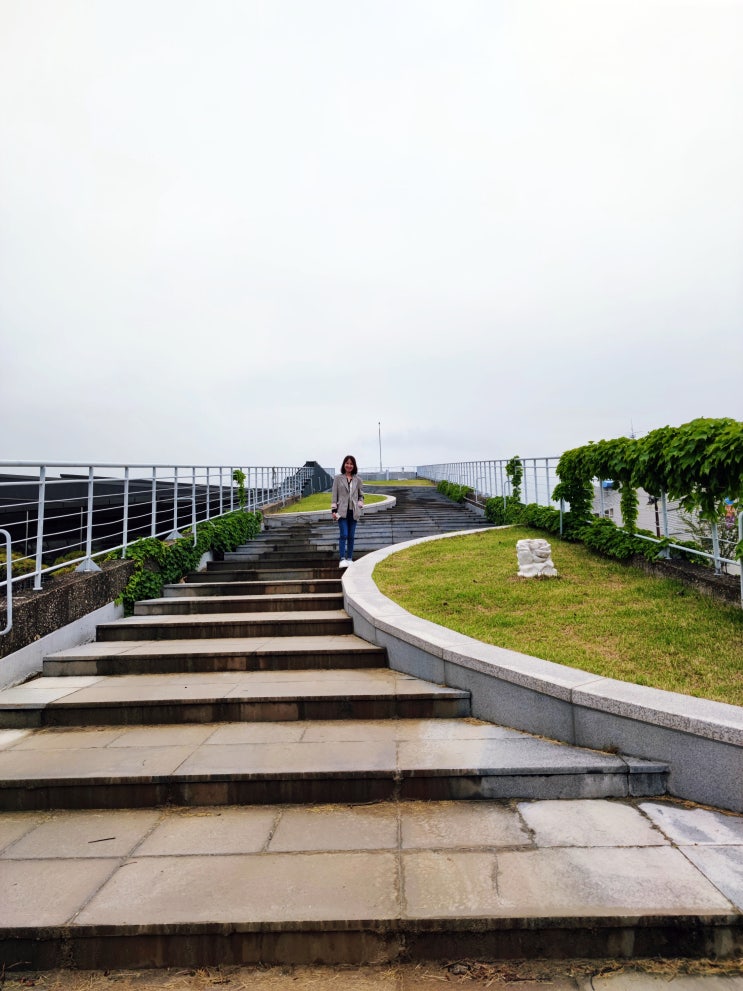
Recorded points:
(224, 696)
(242, 654)
(332, 622)
(275, 558)
(358, 884)
(253, 763)
(183, 605)
(220, 571)
(299, 587)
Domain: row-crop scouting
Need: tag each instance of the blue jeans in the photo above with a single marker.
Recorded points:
(347, 528)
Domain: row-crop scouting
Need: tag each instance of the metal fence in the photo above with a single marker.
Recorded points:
(670, 523)
(489, 479)
(61, 514)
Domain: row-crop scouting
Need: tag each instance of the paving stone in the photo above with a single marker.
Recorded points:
(64, 738)
(14, 825)
(588, 823)
(636, 981)
(695, 826)
(252, 733)
(557, 882)
(290, 758)
(460, 824)
(244, 889)
(507, 755)
(328, 827)
(81, 835)
(48, 892)
(210, 831)
(107, 762)
(12, 737)
(723, 865)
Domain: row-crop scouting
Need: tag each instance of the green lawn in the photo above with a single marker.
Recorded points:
(599, 615)
(321, 500)
(400, 481)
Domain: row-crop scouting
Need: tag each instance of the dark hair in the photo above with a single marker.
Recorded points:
(349, 457)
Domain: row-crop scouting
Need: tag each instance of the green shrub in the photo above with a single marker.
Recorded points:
(20, 564)
(157, 563)
(457, 493)
(503, 511)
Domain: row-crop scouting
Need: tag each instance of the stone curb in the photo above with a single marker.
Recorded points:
(702, 741)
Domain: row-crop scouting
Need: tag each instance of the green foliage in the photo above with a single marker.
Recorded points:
(457, 493)
(615, 460)
(19, 564)
(604, 537)
(575, 471)
(75, 556)
(239, 477)
(699, 463)
(515, 471)
(503, 511)
(541, 517)
(157, 563)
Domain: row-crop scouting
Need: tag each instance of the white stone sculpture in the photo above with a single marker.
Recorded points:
(535, 559)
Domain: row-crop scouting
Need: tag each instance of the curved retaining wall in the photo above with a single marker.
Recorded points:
(701, 741)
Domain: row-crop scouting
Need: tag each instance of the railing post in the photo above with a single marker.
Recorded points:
(8, 583)
(716, 547)
(40, 527)
(193, 502)
(153, 520)
(664, 515)
(174, 534)
(125, 524)
(89, 564)
(221, 495)
(548, 497)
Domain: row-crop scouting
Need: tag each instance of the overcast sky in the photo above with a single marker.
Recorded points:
(249, 231)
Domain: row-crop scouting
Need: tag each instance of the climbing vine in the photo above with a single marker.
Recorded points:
(239, 477)
(515, 472)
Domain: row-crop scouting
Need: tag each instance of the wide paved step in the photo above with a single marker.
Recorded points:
(208, 626)
(359, 884)
(184, 606)
(240, 654)
(268, 573)
(248, 554)
(304, 761)
(222, 696)
(299, 587)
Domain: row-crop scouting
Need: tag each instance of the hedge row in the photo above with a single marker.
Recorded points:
(158, 563)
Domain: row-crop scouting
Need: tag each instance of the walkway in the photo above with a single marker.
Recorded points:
(231, 775)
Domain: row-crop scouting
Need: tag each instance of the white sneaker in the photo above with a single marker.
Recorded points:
(344, 563)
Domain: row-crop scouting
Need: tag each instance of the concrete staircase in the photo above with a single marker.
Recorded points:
(266, 788)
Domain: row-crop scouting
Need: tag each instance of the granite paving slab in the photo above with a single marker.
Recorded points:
(589, 823)
(693, 826)
(271, 888)
(558, 882)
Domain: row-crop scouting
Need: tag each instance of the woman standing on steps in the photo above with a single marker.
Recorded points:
(346, 506)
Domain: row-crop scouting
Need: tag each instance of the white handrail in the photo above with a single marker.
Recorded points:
(94, 509)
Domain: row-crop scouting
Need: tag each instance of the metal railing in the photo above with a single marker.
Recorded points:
(489, 479)
(63, 510)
